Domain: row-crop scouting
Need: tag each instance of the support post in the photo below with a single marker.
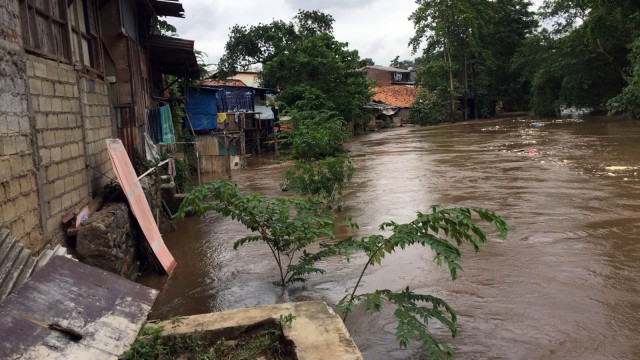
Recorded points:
(227, 156)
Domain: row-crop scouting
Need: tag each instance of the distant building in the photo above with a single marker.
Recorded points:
(229, 118)
(385, 75)
(249, 78)
(394, 102)
(394, 92)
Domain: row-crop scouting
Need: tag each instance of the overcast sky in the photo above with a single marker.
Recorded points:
(378, 29)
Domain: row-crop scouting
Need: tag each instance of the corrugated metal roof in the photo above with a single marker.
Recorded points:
(225, 82)
(217, 84)
(173, 56)
(171, 8)
(385, 68)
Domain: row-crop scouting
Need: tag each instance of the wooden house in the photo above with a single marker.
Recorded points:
(74, 73)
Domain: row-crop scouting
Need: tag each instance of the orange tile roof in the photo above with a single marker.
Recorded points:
(395, 95)
(225, 82)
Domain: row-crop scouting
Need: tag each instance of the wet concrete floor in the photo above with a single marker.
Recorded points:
(564, 285)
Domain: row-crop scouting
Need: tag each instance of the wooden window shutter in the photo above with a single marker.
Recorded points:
(90, 15)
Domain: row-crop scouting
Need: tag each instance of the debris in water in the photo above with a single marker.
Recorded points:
(616, 168)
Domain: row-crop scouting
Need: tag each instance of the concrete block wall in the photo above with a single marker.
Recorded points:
(98, 126)
(53, 123)
(60, 161)
(19, 206)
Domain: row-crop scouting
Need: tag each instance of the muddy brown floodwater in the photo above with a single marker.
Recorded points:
(564, 285)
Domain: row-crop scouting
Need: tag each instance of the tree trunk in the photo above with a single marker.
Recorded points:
(466, 88)
(447, 54)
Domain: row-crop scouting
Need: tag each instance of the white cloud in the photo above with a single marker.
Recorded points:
(326, 4)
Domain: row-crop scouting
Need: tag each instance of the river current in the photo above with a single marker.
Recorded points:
(565, 284)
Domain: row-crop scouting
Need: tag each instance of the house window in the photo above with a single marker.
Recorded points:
(44, 27)
(64, 30)
(84, 33)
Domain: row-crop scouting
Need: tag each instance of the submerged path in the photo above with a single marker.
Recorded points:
(564, 285)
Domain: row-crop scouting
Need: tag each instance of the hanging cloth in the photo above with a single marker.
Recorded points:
(155, 125)
(168, 133)
(151, 150)
(171, 168)
(222, 117)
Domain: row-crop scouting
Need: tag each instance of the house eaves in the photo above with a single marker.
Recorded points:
(173, 56)
(171, 8)
(385, 68)
(216, 84)
(224, 82)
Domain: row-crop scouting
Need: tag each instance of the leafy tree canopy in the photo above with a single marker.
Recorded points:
(405, 64)
(628, 102)
(584, 60)
(488, 52)
(366, 62)
(259, 44)
(320, 64)
(302, 56)
(467, 49)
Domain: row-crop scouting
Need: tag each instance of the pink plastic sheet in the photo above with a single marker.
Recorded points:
(138, 202)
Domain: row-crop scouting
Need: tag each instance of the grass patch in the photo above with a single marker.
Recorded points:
(263, 341)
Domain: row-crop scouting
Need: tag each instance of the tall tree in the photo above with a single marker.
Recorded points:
(586, 58)
(259, 44)
(512, 22)
(449, 29)
(325, 65)
(256, 44)
(628, 101)
(471, 43)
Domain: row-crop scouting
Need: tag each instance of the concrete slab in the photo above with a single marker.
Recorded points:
(69, 310)
(317, 332)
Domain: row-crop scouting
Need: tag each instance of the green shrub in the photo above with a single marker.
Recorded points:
(429, 108)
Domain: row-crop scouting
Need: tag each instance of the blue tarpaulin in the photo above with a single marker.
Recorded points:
(202, 109)
(232, 99)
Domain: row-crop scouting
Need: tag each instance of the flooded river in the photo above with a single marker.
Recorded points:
(564, 285)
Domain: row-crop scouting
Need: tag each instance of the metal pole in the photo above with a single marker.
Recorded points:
(196, 147)
(153, 169)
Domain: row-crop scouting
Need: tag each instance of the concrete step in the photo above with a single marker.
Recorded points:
(59, 250)
(5, 243)
(44, 257)
(27, 271)
(4, 233)
(17, 263)
(16, 268)
(6, 266)
(47, 254)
